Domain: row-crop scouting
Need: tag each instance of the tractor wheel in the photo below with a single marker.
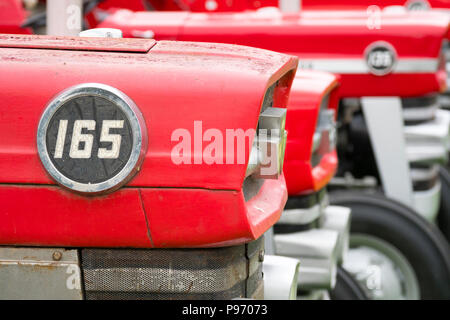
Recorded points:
(444, 210)
(347, 288)
(394, 253)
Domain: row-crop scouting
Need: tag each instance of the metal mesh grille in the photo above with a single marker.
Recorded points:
(255, 283)
(217, 273)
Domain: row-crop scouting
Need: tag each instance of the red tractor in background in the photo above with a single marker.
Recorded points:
(310, 229)
(285, 5)
(12, 15)
(373, 9)
(382, 72)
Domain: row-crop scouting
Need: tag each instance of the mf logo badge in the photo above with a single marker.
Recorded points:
(91, 138)
(417, 5)
(380, 58)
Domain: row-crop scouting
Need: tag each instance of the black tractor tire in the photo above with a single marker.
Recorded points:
(444, 210)
(346, 287)
(422, 244)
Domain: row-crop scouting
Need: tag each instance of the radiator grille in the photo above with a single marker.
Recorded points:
(216, 273)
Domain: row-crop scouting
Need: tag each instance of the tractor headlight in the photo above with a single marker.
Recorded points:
(326, 128)
(325, 136)
(267, 154)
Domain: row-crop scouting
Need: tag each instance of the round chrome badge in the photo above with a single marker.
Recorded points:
(380, 58)
(91, 138)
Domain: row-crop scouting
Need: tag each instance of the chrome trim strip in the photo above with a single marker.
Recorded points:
(359, 66)
(426, 202)
(427, 173)
(280, 277)
(301, 216)
(338, 219)
(429, 141)
(420, 113)
(317, 250)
